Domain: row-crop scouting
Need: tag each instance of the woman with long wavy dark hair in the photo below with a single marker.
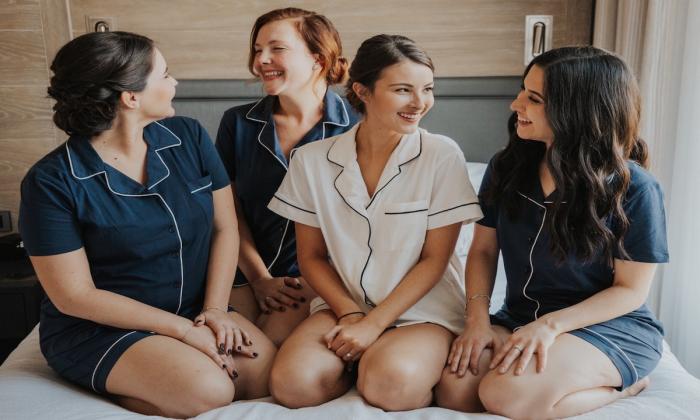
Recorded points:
(581, 227)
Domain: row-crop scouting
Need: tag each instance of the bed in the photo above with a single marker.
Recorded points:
(473, 112)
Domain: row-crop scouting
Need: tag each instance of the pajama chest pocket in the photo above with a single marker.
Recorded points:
(402, 226)
(200, 192)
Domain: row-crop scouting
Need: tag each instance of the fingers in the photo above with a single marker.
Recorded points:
(455, 356)
(293, 283)
(201, 319)
(231, 367)
(541, 358)
(274, 305)
(264, 307)
(282, 298)
(230, 341)
(330, 335)
(241, 346)
(476, 352)
(220, 339)
(345, 352)
(513, 352)
(246, 338)
(524, 359)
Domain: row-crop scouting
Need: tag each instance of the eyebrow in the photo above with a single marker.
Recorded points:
(522, 86)
(408, 84)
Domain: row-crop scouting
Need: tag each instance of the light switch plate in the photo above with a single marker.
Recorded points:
(530, 21)
(91, 23)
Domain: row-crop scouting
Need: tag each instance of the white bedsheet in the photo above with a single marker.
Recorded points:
(29, 389)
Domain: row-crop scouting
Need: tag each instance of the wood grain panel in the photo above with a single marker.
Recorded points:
(22, 58)
(19, 14)
(25, 112)
(56, 25)
(208, 38)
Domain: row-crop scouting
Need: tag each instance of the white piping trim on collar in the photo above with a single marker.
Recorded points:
(291, 152)
(177, 228)
(161, 159)
(534, 242)
(94, 372)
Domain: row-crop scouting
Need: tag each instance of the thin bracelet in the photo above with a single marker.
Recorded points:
(213, 307)
(350, 313)
(480, 295)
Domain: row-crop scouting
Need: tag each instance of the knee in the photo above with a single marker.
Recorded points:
(459, 394)
(295, 387)
(393, 386)
(502, 395)
(206, 392)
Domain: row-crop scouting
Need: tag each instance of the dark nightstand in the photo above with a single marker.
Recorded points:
(20, 299)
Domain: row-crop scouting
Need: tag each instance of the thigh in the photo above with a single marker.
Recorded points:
(422, 348)
(573, 365)
(163, 371)
(243, 301)
(305, 350)
(253, 373)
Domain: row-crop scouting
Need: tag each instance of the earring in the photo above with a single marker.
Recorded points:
(316, 66)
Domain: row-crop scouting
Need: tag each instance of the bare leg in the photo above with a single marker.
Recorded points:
(398, 372)
(161, 375)
(564, 388)
(277, 325)
(305, 373)
(462, 394)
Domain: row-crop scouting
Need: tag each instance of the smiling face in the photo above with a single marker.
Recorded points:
(155, 101)
(282, 59)
(401, 96)
(530, 107)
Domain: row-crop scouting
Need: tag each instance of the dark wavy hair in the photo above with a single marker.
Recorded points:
(592, 104)
(90, 73)
(374, 55)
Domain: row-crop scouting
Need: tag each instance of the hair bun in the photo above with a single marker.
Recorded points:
(338, 72)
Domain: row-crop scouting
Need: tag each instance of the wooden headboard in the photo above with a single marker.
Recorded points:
(473, 111)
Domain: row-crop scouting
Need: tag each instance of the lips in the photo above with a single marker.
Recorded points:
(271, 74)
(409, 116)
(523, 121)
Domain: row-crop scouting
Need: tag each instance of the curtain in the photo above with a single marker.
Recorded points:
(659, 39)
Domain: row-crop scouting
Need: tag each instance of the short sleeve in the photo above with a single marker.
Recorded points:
(225, 144)
(452, 199)
(490, 210)
(645, 240)
(47, 219)
(293, 199)
(211, 160)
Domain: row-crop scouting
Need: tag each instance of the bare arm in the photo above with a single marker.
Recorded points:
(437, 249)
(224, 243)
(312, 255)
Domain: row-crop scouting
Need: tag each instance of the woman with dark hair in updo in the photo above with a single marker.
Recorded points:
(297, 56)
(130, 227)
(377, 213)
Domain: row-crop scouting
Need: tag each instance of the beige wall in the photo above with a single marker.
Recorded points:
(203, 39)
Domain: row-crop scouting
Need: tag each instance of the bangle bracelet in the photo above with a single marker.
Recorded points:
(350, 313)
(213, 307)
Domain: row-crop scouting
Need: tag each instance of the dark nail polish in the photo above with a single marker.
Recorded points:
(238, 348)
(235, 374)
(221, 349)
(303, 299)
(298, 286)
(295, 305)
(229, 351)
(223, 367)
(255, 354)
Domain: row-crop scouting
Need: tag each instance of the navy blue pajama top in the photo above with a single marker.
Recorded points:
(147, 242)
(250, 150)
(536, 284)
